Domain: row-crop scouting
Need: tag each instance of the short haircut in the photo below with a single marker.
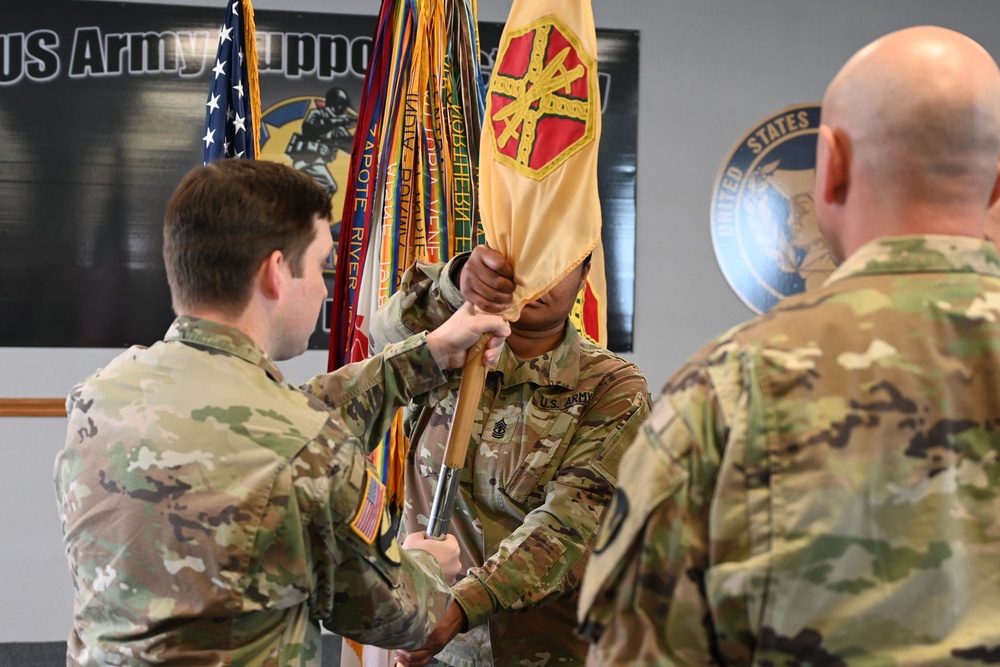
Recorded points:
(225, 218)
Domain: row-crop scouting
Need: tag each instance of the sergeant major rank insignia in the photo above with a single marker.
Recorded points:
(764, 228)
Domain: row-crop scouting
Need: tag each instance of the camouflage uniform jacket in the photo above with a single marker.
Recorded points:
(820, 485)
(540, 470)
(215, 515)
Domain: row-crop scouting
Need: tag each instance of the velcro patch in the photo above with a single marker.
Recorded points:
(661, 416)
(366, 521)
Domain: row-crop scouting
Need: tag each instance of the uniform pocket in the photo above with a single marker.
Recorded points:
(532, 464)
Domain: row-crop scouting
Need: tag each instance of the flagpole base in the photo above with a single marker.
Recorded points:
(444, 502)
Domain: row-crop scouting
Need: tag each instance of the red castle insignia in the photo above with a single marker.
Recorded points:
(543, 98)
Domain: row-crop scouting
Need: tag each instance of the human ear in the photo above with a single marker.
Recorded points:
(269, 277)
(832, 159)
(995, 195)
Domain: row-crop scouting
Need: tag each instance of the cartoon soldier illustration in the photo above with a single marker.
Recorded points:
(325, 130)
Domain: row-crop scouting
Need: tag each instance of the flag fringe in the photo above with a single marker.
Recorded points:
(250, 44)
(357, 647)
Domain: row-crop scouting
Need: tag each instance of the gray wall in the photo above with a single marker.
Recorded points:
(710, 69)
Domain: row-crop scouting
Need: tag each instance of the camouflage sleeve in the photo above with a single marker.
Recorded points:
(426, 297)
(367, 587)
(545, 557)
(643, 598)
(366, 394)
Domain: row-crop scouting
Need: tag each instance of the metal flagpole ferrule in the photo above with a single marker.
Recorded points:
(444, 501)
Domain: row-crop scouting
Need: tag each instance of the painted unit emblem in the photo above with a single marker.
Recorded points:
(543, 98)
(764, 228)
(310, 133)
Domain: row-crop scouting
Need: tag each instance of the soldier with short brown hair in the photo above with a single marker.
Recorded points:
(212, 513)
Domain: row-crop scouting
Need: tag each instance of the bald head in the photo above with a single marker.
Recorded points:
(917, 116)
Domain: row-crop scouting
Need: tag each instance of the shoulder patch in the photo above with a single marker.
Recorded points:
(613, 519)
(387, 543)
(661, 416)
(369, 517)
(609, 458)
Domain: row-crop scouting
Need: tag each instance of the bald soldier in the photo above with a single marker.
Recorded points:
(820, 485)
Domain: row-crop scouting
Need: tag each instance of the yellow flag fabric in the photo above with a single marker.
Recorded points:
(538, 152)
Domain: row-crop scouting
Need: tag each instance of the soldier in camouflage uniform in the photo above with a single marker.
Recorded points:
(820, 486)
(556, 413)
(214, 514)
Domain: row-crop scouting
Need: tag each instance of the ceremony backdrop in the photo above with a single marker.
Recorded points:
(102, 111)
(710, 71)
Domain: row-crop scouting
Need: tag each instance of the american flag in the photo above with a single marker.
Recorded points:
(366, 522)
(229, 127)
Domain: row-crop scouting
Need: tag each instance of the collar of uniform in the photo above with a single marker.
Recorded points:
(921, 254)
(560, 366)
(224, 338)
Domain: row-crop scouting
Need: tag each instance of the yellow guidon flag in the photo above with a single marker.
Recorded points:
(538, 196)
(538, 150)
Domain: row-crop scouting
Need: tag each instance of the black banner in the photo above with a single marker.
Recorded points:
(102, 111)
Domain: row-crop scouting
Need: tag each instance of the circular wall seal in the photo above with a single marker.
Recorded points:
(764, 228)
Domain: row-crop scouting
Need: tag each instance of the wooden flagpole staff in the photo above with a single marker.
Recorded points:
(469, 392)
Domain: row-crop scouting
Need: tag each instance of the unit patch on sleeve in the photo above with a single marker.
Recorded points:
(612, 521)
(387, 543)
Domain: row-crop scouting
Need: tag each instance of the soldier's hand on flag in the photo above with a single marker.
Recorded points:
(487, 280)
(461, 331)
(450, 625)
(445, 552)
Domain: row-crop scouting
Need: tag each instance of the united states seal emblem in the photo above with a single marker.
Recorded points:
(764, 227)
